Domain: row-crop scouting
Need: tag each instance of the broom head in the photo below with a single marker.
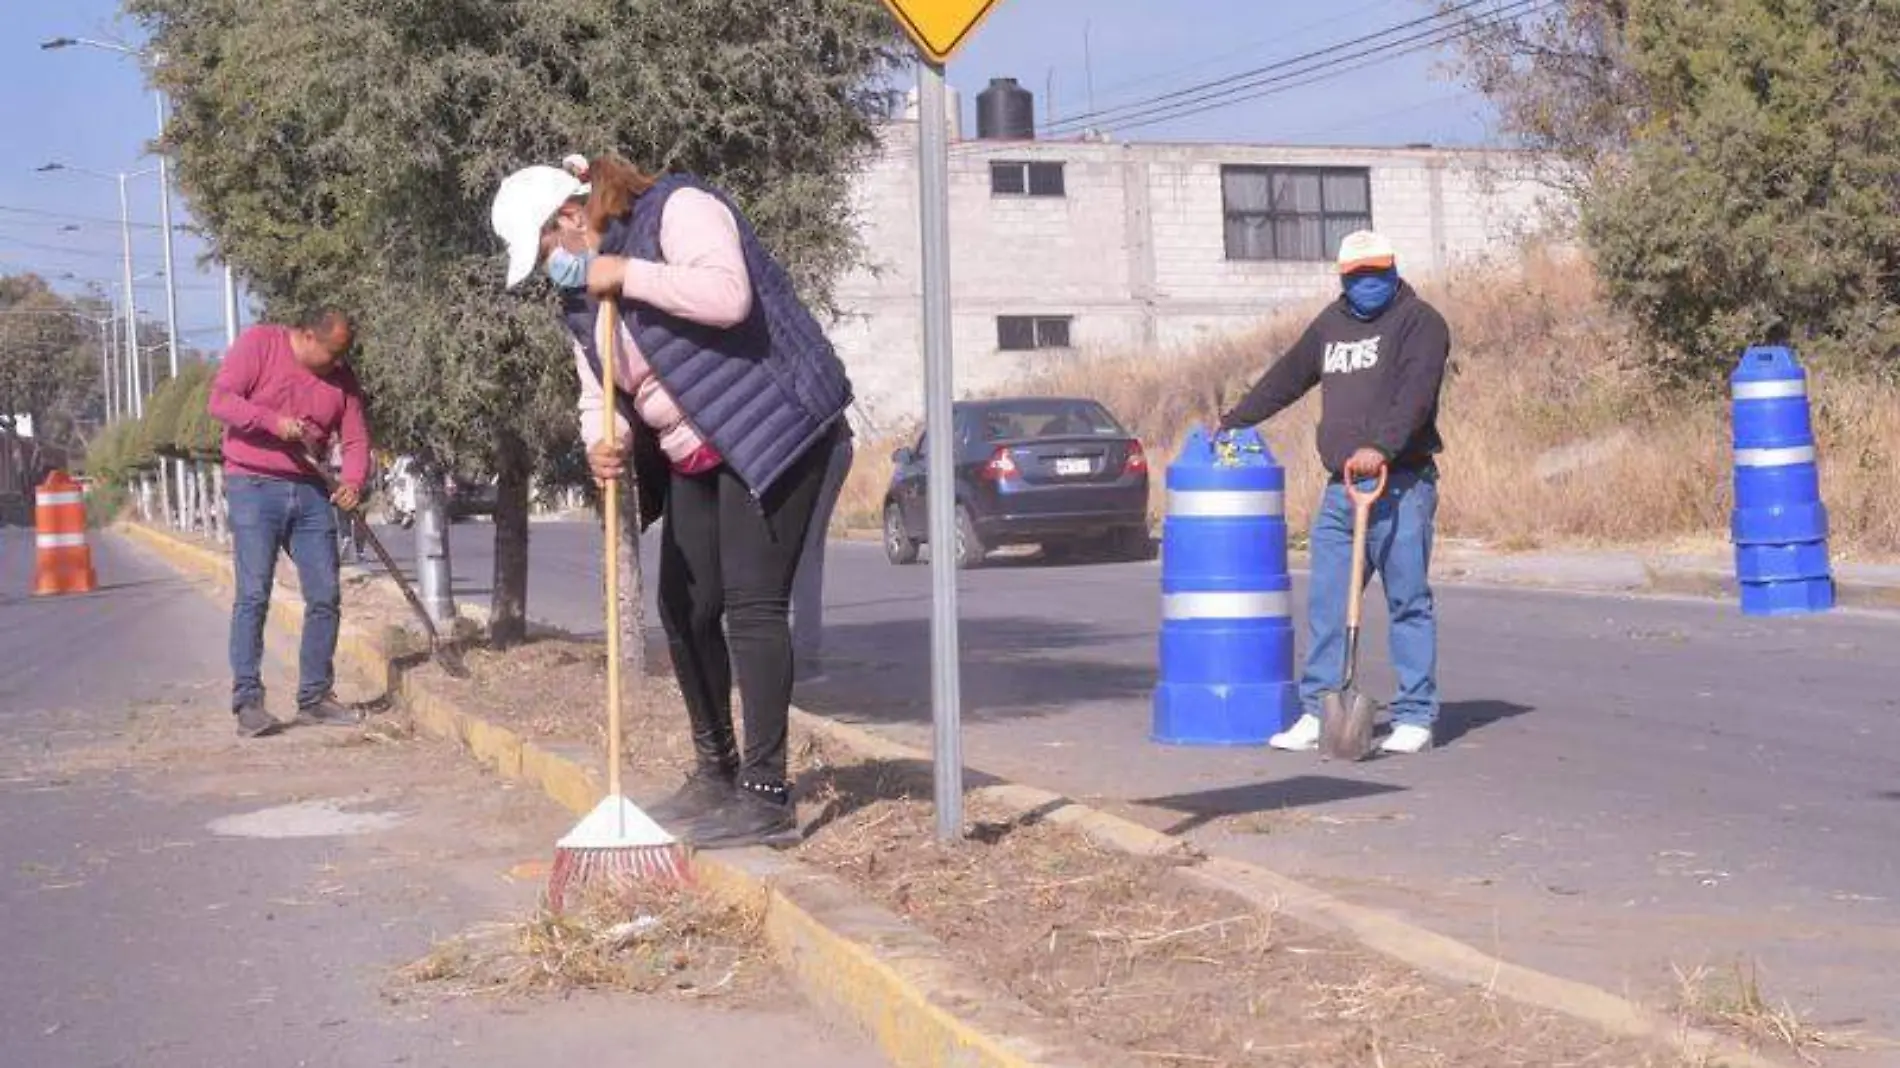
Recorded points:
(615, 844)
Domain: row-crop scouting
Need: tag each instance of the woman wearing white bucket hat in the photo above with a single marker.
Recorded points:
(732, 401)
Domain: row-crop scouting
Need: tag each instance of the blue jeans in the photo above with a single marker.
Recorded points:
(1399, 550)
(269, 515)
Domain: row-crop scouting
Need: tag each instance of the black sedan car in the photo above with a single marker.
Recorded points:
(1056, 472)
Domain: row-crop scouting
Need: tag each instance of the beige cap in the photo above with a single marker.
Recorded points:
(1363, 250)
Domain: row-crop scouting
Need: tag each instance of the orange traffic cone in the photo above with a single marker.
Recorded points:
(64, 563)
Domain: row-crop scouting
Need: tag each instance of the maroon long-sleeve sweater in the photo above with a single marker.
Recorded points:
(260, 384)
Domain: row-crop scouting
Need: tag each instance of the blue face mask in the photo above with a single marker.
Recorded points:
(568, 270)
(1368, 294)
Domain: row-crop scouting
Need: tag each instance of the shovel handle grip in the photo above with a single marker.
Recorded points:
(1364, 498)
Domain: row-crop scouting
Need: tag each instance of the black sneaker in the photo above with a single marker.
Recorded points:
(328, 712)
(253, 721)
(703, 791)
(751, 815)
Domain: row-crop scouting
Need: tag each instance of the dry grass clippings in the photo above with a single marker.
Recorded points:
(636, 938)
(1126, 951)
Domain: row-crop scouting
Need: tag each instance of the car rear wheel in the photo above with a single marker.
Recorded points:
(1133, 543)
(970, 550)
(899, 548)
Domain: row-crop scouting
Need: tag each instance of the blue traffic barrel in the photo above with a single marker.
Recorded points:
(1226, 671)
(1779, 525)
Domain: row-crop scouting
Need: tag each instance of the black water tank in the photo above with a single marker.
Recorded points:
(1005, 112)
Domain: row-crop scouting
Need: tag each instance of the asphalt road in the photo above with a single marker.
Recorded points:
(1627, 785)
(158, 908)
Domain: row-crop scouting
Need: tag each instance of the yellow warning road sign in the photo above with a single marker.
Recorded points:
(939, 26)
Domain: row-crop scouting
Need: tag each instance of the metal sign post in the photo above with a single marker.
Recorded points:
(946, 701)
(939, 27)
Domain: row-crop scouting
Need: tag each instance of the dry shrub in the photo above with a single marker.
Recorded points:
(1732, 1000)
(1540, 367)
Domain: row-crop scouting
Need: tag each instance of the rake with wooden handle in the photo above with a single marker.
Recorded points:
(443, 651)
(616, 842)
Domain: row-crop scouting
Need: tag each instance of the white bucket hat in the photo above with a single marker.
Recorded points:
(523, 205)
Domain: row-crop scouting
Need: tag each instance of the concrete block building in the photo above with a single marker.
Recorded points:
(1060, 249)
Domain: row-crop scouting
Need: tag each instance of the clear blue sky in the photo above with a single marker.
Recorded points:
(91, 108)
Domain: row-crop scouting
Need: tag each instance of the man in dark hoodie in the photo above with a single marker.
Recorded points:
(1378, 354)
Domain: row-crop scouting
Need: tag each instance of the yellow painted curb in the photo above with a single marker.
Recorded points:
(859, 962)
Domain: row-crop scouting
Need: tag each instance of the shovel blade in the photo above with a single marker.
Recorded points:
(1346, 722)
(449, 659)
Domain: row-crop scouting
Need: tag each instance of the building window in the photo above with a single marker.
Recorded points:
(1293, 213)
(1024, 333)
(1026, 179)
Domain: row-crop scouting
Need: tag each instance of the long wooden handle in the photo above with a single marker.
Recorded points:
(1362, 503)
(1361, 516)
(606, 338)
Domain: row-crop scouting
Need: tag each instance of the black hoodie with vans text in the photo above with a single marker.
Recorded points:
(1378, 379)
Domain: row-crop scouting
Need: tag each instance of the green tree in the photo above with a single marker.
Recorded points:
(165, 414)
(199, 436)
(345, 151)
(49, 363)
(1761, 199)
(1559, 78)
(1738, 165)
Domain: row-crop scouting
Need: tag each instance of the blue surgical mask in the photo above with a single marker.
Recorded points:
(568, 270)
(1368, 294)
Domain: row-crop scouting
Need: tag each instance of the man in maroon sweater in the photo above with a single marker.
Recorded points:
(283, 394)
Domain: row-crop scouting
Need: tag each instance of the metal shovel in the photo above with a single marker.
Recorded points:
(1346, 717)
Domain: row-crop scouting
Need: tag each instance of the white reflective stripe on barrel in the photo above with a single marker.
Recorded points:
(1246, 605)
(1787, 387)
(1803, 454)
(66, 497)
(1227, 504)
(61, 541)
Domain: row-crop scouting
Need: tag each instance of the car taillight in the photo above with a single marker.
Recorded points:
(1002, 467)
(1137, 462)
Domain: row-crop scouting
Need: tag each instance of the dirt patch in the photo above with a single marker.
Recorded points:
(1128, 952)
(555, 689)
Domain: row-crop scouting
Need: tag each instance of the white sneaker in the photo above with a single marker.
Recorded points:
(1299, 738)
(1407, 738)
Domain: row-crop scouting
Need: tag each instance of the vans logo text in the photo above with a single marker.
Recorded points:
(1345, 357)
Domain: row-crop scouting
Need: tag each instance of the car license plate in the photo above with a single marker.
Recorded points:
(1073, 465)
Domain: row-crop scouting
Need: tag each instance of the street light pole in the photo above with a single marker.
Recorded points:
(106, 327)
(230, 307)
(180, 482)
(131, 302)
(165, 228)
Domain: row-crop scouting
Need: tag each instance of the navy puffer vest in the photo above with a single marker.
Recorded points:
(762, 392)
